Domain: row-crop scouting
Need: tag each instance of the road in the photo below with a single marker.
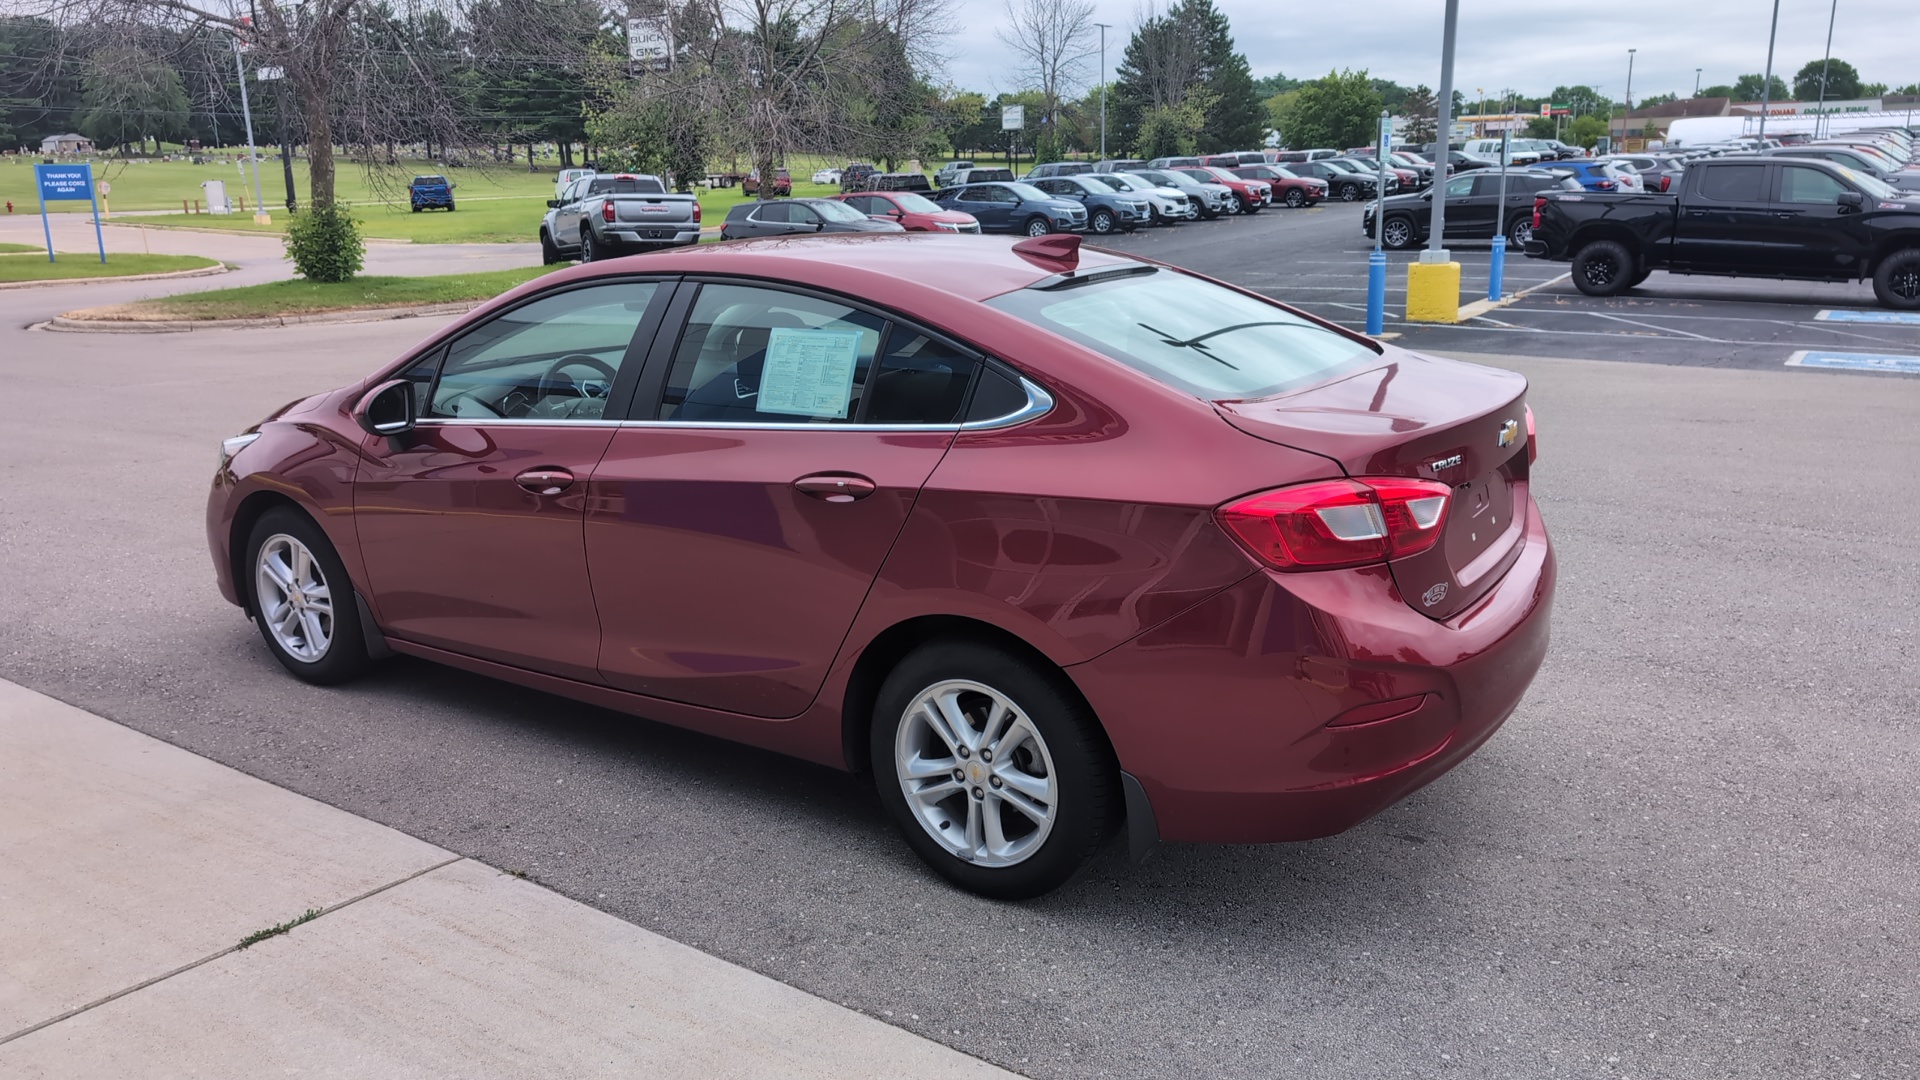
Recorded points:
(1689, 854)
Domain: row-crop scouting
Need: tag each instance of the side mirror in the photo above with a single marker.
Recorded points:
(1427, 194)
(387, 409)
(819, 226)
(896, 213)
(1851, 199)
(553, 204)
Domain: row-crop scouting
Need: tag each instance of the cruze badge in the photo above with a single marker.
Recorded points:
(1509, 431)
(1446, 462)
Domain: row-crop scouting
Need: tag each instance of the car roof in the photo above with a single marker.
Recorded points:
(884, 264)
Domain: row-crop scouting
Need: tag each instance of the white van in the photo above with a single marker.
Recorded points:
(1490, 149)
(566, 178)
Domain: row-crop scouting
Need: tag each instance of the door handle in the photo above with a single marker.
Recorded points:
(545, 481)
(835, 489)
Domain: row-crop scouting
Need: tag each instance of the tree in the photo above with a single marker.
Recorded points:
(1910, 88)
(1580, 99)
(1421, 109)
(1747, 88)
(1268, 86)
(1051, 40)
(1843, 82)
(39, 85)
(131, 95)
(1719, 90)
(1873, 90)
(1173, 130)
(1651, 100)
(1233, 112)
(1338, 110)
(1173, 56)
(1586, 129)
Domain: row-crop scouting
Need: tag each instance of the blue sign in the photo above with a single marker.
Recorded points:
(1897, 318)
(65, 182)
(1848, 361)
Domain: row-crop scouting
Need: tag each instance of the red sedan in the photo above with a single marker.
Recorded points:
(1053, 543)
(914, 212)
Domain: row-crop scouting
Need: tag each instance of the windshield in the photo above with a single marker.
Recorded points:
(837, 211)
(1121, 183)
(1173, 180)
(1190, 334)
(915, 204)
(1872, 185)
(1092, 186)
(1029, 193)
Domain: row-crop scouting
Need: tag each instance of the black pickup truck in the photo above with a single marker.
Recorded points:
(1739, 217)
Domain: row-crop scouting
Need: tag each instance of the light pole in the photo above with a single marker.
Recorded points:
(1629, 113)
(1103, 88)
(1696, 82)
(1766, 81)
(1436, 250)
(1482, 91)
(1820, 113)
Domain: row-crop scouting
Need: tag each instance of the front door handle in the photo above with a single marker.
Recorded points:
(835, 489)
(545, 481)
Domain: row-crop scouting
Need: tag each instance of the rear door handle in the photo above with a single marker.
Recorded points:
(835, 489)
(545, 481)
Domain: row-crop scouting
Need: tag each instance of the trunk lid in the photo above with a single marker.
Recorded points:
(1432, 419)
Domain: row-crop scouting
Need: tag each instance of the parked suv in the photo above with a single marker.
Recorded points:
(1248, 195)
(1174, 163)
(1473, 208)
(1015, 207)
(1119, 165)
(1058, 168)
(430, 192)
(1210, 199)
(898, 181)
(1600, 175)
(1108, 209)
(913, 211)
(787, 217)
(1166, 205)
(1343, 183)
(1288, 187)
(979, 176)
(1289, 157)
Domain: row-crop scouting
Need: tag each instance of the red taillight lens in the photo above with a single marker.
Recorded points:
(606, 211)
(696, 213)
(1604, 185)
(1539, 204)
(1335, 523)
(1666, 182)
(1533, 444)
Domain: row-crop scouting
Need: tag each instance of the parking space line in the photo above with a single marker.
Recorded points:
(1904, 365)
(1896, 318)
(1648, 326)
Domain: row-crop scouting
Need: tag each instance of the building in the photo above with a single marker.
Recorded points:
(1641, 126)
(1796, 108)
(66, 144)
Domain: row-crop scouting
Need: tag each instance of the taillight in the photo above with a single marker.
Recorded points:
(1335, 523)
(606, 211)
(1604, 185)
(1539, 204)
(1666, 182)
(696, 212)
(1533, 446)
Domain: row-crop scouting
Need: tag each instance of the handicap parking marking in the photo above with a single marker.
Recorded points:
(1896, 318)
(1905, 365)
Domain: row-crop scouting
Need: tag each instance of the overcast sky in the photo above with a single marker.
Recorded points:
(1529, 45)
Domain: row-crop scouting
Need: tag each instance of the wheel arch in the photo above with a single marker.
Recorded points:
(251, 509)
(1607, 231)
(1892, 245)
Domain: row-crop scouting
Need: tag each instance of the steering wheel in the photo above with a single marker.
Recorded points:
(553, 381)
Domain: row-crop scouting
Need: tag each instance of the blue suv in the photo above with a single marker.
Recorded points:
(1594, 175)
(1015, 207)
(1108, 210)
(430, 192)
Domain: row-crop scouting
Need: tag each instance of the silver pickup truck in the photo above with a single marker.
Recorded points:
(599, 217)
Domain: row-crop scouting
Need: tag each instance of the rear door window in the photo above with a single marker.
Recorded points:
(1733, 183)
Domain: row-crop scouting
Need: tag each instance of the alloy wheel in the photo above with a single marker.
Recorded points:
(1350, 193)
(1037, 227)
(1522, 232)
(976, 774)
(1905, 284)
(296, 606)
(1396, 233)
(1295, 198)
(1601, 271)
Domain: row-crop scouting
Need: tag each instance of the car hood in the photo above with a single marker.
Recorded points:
(950, 217)
(869, 225)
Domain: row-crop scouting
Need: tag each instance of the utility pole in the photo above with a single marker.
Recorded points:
(1766, 81)
(1103, 86)
(246, 112)
(1624, 117)
(1696, 82)
(1820, 113)
(1436, 249)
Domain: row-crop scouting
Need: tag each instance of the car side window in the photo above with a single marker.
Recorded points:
(1460, 187)
(1733, 183)
(555, 358)
(1803, 185)
(753, 355)
(773, 213)
(921, 380)
(801, 214)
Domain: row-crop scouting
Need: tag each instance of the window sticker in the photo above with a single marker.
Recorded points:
(808, 372)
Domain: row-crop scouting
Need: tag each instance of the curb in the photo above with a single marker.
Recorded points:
(204, 271)
(236, 232)
(1481, 307)
(69, 324)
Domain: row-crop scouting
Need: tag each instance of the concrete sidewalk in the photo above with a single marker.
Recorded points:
(130, 870)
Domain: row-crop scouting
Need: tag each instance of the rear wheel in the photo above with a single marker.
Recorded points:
(302, 599)
(997, 775)
(1896, 281)
(1519, 230)
(1296, 198)
(1398, 233)
(1101, 221)
(449, 206)
(1038, 226)
(1603, 268)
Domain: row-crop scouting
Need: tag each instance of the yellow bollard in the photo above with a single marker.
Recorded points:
(1433, 292)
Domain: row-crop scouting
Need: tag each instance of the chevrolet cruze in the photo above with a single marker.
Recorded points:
(1055, 544)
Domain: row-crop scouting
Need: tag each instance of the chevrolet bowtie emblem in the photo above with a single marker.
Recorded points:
(1509, 431)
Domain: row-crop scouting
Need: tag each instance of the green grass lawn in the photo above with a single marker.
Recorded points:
(15, 249)
(300, 297)
(75, 264)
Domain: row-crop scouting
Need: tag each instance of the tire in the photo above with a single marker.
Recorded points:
(416, 207)
(449, 206)
(1639, 276)
(1349, 192)
(303, 602)
(588, 251)
(1603, 268)
(1296, 198)
(1101, 222)
(1038, 226)
(1519, 231)
(1239, 204)
(549, 252)
(1896, 281)
(1059, 755)
(1398, 234)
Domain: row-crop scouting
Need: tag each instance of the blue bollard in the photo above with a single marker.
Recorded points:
(1499, 274)
(1376, 292)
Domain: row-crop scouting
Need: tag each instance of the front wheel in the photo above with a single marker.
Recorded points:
(1039, 226)
(1398, 233)
(1296, 198)
(589, 251)
(1896, 281)
(1349, 192)
(1101, 221)
(549, 253)
(299, 594)
(997, 775)
(1239, 205)
(1603, 268)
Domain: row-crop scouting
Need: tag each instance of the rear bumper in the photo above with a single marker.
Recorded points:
(651, 239)
(1536, 249)
(1223, 713)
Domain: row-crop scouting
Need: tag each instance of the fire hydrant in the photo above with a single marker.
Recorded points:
(9, 206)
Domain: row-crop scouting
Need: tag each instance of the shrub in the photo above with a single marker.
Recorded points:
(324, 244)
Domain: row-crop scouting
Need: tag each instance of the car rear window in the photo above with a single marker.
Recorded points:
(430, 180)
(625, 185)
(1188, 333)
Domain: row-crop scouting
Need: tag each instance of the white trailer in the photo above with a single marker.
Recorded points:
(1706, 130)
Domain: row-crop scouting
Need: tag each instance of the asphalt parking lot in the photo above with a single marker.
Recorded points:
(1316, 259)
(1688, 855)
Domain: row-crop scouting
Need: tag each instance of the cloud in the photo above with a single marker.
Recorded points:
(1524, 45)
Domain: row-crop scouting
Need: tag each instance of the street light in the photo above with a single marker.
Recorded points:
(1766, 81)
(1819, 115)
(1629, 113)
(1696, 82)
(1103, 88)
